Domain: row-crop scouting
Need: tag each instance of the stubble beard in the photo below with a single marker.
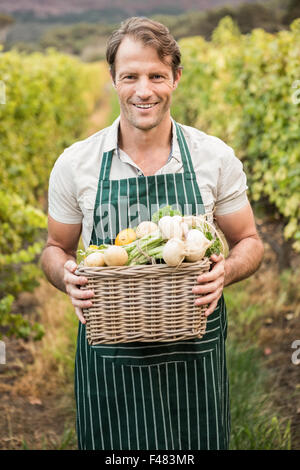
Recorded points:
(137, 123)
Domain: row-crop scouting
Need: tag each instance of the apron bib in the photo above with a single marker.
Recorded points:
(151, 396)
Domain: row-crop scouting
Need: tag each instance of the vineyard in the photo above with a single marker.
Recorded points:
(244, 89)
(48, 100)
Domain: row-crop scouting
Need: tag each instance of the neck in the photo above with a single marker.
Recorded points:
(136, 141)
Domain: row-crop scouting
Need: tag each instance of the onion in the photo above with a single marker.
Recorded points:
(144, 228)
(115, 256)
(196, 245)
(171, 227)
(193, 220)
(185, 229)
(174, 252)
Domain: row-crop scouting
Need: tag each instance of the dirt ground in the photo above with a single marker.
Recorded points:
(35, 413)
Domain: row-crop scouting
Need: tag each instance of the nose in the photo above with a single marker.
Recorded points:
(143, 88)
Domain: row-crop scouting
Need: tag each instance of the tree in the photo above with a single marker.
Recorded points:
(293, 12)
(5, 21)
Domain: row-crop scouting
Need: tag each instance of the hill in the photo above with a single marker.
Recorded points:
(58, 8)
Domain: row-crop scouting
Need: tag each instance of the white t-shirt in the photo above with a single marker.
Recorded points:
(74, 177)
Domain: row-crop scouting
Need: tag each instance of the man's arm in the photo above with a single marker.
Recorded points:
(58, 262)
(61, 246)
(245, 256)
(246, 248)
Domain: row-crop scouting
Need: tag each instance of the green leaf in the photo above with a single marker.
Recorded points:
(164, 211)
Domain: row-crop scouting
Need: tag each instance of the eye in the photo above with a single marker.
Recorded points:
(157, 77)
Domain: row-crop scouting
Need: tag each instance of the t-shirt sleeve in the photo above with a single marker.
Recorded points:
(62, 201)
(232, 188)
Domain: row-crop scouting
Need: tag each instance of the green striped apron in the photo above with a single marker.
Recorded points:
(151, 396)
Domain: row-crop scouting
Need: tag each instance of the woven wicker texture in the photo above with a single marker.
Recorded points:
(144, 303)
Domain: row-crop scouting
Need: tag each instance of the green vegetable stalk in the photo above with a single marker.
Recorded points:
(146, 249)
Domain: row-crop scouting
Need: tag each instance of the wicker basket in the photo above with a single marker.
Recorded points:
(144, 303)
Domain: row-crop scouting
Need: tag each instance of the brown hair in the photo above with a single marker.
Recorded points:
(151, 33)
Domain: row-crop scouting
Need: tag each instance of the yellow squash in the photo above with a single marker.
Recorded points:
(125, 237)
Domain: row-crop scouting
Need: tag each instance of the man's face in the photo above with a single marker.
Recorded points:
(144, 84)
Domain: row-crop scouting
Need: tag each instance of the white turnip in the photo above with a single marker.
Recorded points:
(171, 227)
(115, 256)
(144, 228)
(196, 245)
(95, 259)
(174, 252)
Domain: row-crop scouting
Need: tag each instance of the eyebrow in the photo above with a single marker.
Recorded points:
(136, 73)
(127, 73)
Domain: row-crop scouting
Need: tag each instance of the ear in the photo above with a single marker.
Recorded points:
(177, 79)
(112, 79)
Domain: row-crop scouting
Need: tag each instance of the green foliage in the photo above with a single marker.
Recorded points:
(48, 100)
(164, 211)
(44, 112)
(243, 88)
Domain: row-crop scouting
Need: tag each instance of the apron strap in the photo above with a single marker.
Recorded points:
(184, 151)
(106, 165)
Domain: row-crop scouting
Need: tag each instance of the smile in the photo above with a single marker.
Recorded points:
(145, 106)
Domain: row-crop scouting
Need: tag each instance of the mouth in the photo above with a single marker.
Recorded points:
(145, 106)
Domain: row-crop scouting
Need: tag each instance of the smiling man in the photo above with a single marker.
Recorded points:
(174, 395)
(144, 85)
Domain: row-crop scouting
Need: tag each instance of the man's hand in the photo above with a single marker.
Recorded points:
(212, 284)
(79, 298)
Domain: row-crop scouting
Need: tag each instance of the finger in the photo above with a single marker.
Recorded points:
(70, 265)
(79, 314)
(211, 308)
(80, 294)
(81, 303)
(208, 287)
(217, 271)
(212, 275)
(208, 299)
(70, 278)
(216, 258)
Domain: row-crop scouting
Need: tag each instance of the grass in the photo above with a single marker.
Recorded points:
(256, 425)
(257, 422)
(67, 441)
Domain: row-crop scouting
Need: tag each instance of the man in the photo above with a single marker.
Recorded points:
(141, 395)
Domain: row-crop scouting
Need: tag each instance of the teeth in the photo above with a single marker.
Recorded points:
(144, 106)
